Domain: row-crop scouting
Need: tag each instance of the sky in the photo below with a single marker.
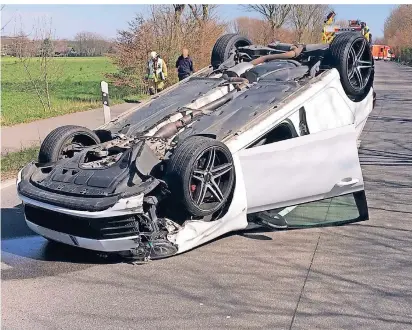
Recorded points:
(106, 20)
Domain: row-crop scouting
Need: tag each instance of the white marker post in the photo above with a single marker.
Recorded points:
(105, 99)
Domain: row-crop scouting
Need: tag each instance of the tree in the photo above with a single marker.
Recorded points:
(36, 57)
(46, 48)
(398, 32)
(203, 16)
(202, 12)
(166, 30)
(178, 11)
(90, 44)
(4, 24)
(259, 31)
(18, 45)
(304, 18)
(380, 41)
(342, 23)
(276, 15)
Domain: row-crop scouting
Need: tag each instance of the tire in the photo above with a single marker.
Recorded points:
(224, 45)
(52, 147)
(186, 189)
(341, 50)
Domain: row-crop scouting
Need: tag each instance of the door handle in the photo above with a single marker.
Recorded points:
(347, 182)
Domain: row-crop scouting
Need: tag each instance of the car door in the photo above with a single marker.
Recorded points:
(304, 169)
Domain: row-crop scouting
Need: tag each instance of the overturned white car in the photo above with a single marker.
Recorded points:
(262, 129)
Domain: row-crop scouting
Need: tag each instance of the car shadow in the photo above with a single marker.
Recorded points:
(13, 224)
(26, 254)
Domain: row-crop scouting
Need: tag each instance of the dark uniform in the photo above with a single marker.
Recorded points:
(184, 66)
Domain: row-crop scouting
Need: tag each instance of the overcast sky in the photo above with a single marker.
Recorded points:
(67, 20)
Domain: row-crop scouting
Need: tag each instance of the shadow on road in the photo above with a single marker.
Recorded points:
(13, 224)
(29, 255)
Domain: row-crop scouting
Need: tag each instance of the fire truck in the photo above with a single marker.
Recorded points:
(330, 29)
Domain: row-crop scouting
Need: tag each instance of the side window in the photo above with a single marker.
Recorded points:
(327, 212)
(284, 131)
(327, 110)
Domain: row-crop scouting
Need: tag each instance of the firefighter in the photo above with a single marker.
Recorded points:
(156, 73)
(366, 32)
(328, 30)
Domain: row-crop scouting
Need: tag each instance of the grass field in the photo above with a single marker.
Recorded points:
(13, 162)
(75, 86)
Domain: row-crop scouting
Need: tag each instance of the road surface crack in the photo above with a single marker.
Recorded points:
(304, 283)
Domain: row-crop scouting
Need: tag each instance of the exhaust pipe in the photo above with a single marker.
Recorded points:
(171, 129)
(219, 102)
(293, 53)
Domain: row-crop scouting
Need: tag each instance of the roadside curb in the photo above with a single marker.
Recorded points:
(7, 183)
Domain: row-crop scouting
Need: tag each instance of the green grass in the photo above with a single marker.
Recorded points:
(13, 162)
(75, 86)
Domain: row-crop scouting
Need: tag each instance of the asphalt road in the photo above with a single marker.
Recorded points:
(351, 277)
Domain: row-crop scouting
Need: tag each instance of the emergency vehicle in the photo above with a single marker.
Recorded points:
(330, 30)
(382, 52)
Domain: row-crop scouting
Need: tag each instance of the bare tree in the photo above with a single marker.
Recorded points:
(178, 11)
(36, 57)
(302, 15)
(202, 15)
(197, 30)
(91, 44)
(276, 15)
(379, 41)
(258, 30)
(398, 32)
(18, 45)
(313, 33)
(202, 12)
(3, 26)
(342, 23)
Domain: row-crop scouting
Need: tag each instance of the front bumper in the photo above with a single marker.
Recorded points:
(88, 230)
(105, 245)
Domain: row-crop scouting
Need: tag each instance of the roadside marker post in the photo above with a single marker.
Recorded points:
(105, 100)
